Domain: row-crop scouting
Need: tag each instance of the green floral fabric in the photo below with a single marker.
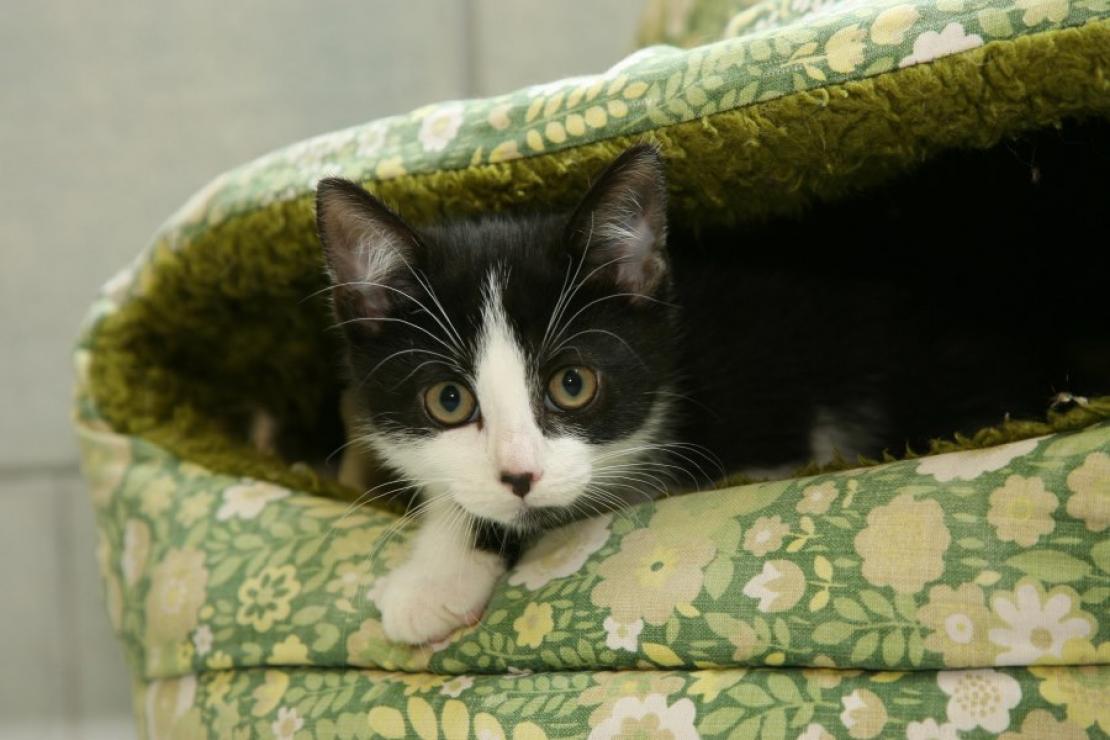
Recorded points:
(979, 560)
(959, 594)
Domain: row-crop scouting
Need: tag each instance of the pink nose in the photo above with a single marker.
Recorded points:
(519, 483)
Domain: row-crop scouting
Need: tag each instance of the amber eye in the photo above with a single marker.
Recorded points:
(450, 403)
(572, 388)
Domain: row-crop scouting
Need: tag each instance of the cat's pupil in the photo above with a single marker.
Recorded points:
(572, 383)
(450, 398)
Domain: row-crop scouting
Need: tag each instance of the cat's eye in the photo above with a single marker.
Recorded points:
(450, 403)
(571, 388)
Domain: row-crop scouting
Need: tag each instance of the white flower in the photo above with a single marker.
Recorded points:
(440, 127)
(561, 553)
(287, 723)
(136, 547)
(778, 586)
(648, 717)
(929, 730)
(979, 698)
(815, 731)
(931, 45)
(247, 500)
(864, 714)
(623, 636)
(370, 140)
(973, 463)
(202, 639)
(1034, 628)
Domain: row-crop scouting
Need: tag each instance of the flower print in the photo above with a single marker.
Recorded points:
(971, 464)
(979, 698)
(1021, 510)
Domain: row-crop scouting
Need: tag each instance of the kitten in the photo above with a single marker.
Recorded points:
(524, 370)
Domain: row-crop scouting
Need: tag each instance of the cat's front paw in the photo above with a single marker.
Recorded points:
(421, 605)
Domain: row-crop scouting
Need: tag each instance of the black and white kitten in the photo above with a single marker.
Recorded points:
(524, 370)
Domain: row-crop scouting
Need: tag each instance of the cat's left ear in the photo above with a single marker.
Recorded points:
(620, 227)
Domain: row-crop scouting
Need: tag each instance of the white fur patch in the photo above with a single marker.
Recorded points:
(444, 584)
(466, 463)
(501, 380)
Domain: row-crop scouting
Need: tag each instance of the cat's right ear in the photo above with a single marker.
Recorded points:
(370, 252)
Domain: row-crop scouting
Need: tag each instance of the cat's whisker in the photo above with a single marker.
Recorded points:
(394, 319)
(445, 360)
(599, 331)
(394, 289)
(416, 369)
(427, 285)
(609, 297)
(574, 292)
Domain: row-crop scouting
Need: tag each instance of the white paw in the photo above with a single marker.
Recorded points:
(425, 604)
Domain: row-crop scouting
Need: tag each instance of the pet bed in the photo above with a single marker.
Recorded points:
(960, 592)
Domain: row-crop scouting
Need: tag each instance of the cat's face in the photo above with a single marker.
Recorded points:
(518, 365)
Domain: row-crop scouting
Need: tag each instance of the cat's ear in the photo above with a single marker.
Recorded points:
(369, 251)
(620, 227)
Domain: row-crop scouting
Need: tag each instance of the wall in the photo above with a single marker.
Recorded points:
(111, 114)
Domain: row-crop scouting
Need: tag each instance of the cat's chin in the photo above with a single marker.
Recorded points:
(519, 516)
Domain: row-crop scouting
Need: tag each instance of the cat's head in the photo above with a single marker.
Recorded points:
(519, 364)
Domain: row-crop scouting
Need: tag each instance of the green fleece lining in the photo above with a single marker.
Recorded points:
(237, 293)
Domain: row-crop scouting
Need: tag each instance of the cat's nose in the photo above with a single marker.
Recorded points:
(520, 483)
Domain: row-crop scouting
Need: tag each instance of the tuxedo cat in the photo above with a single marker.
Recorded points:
(523, 370)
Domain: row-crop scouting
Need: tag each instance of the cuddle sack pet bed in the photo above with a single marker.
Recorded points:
(963, 591)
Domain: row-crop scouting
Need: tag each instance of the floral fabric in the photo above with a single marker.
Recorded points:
(957, 595)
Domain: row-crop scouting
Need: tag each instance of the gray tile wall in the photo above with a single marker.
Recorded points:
(111, 114)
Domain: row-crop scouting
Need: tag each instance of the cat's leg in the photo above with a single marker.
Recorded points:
(446, 582)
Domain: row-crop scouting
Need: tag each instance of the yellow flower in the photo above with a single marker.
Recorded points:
(903, 544)
(1090, 486)
(290, 651)
(157, 495)
(1039, 11)
(1040, 724)
(765, 535)
(1021, 510)
(959, 620)
(416, 683)
(652, 573)
(219, 661)
(177, 591)
(268, 695)
(709, 684)
(534, 625)
(195, 507)
(1082, 685)
(844, 49)
(818, 498)
(864, 714)
(266, 598)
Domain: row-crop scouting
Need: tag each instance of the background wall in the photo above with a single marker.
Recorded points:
(111, 115)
